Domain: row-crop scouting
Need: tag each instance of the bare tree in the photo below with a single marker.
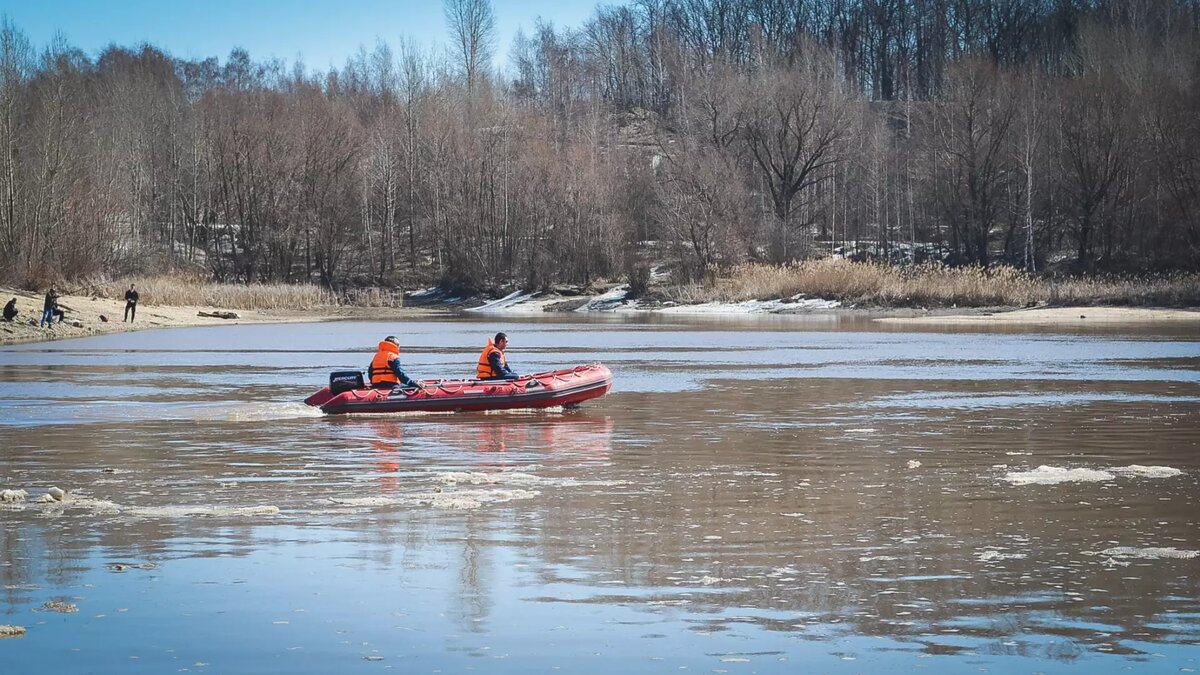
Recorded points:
(472, 25)
(796, 120)
(971, 130)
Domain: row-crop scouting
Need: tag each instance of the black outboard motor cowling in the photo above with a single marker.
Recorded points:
(345, 380)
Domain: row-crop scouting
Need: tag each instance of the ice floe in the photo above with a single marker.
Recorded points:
(994, 555)
(457, 500)
(1053, 475)
(1148, 553)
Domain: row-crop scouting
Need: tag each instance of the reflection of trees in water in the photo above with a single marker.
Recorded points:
(473, 602)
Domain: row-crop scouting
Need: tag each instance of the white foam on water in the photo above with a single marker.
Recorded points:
(1053, 475)
(1148, 553)
(258, 412)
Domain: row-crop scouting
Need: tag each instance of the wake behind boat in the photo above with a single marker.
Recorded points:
(566, 387)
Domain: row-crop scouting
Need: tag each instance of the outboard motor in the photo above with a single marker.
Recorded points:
(345, 380)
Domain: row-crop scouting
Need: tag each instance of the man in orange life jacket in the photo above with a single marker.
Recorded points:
(492, 364)
(385, 370)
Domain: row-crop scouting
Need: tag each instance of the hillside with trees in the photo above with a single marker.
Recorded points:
(1050, 135)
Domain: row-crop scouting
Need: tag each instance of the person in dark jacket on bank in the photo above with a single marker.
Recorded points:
(131, 301)
(10, 310)
(492, 363)
(49, 307)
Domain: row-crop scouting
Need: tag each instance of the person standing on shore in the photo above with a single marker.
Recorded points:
(131, 300)
(48, 308)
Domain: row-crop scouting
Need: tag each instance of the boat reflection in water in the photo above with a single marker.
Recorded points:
(481, 441)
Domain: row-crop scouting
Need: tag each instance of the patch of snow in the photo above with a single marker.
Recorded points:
(611, 301)
(753, 306)
(514, 298)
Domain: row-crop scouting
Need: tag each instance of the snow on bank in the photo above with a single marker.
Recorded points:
(795, 303)
(617, 299)
(1053, 475)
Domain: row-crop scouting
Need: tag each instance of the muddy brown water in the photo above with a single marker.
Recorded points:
(755, 496)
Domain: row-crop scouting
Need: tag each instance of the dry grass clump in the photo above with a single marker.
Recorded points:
(1175, 290)
(870, 283)
(934, 285)
(174, 290)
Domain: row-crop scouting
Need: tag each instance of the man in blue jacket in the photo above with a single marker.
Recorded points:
(492, 364)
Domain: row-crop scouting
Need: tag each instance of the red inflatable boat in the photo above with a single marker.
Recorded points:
(566, 387)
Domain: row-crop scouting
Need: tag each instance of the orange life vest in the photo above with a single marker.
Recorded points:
(485, 370)
(381, 367)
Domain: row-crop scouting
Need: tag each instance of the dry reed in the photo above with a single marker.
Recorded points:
(934, 285)
(186, 291)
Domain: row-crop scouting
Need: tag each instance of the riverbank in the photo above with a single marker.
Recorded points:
(83, 313)
(83, 316)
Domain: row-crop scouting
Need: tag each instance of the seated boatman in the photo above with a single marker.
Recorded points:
(492, 364)
(385, 368)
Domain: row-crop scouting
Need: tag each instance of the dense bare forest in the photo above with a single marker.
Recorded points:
(1059, 135)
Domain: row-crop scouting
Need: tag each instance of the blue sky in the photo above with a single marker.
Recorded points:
(324, 32)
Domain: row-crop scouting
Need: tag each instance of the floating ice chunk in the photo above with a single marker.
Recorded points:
(1148, 471)
(204, 511)
(1053, 475)
(13, 495)
(11, 631)
(914, 464)
(1150, 553)
(992, 555)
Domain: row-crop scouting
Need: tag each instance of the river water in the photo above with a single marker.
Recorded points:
(754, 496)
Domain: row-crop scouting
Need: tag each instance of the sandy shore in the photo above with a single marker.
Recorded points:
(1055, 316)
(83, 317)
